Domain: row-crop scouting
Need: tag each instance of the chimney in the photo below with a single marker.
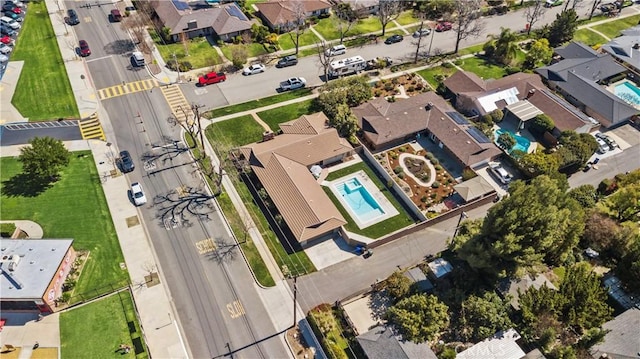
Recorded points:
(267, 135)
(429, 106)
(530, 93)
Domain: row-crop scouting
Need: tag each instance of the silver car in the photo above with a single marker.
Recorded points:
(253, 69)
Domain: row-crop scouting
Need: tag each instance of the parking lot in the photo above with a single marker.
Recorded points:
(13, 13)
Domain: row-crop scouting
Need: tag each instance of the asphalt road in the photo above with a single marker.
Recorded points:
(20, 133)
(214, 293)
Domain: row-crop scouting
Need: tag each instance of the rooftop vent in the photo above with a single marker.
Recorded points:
(268, 135)
(429, 106)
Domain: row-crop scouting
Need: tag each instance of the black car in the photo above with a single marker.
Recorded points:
(393, 39)
(126, 163)
(5, 30)
(72, 17)
(287, 61)
(8, 6)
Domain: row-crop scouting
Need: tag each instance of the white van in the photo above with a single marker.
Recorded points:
(7, 21)
(337, 50)
(137, 58)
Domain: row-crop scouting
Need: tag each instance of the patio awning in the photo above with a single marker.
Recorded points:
(473, 188)
(524, 110)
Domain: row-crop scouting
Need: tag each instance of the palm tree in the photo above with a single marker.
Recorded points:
(506, 48)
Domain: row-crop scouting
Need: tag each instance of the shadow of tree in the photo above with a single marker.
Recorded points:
(119, 47)
(24, 185)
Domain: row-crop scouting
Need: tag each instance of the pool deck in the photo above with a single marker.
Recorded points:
(612, 88)
(386, 206)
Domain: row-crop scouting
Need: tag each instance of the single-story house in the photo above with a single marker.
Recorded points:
(440, 267)
(282, 15)
(515, 287)
(521, 95)
(500, 346)
(386, 124)
(381, 343)
(581, 75)
(283, 164)
(474, 188)
(362, 8)
(200, 19)
(32, 272)
(418, 279)
(622, 340)
(626, 48)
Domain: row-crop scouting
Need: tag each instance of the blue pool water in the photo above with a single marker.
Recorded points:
(522, 143)
(361, 202)
(628, 92)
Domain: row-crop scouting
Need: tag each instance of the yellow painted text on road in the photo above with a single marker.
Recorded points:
(235, 309)
(206, 246)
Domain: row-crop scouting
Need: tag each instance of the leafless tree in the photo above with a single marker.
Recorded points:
(323, 58)
(418, 41)
(467, 22)
(594, 6)
(348, 18)
(183, 205)
(533, 13)
(388, 11)
(184, 39)
(574, 4)
(186, 119)
(136, 23)
(300, 23)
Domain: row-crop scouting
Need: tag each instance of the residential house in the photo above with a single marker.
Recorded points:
(362, 8)
(440, 267)
(418, 279)
(622, 340)
(500, 346)
(200, 19)
(626, 48)
(283, 164)
(381, 343)
(515, 287)
(32, 272)
(386, 124)
(581, 76)
(283, 15)
(474, 188)
(520, 95)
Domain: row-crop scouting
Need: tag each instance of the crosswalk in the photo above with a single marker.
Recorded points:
(91, 128)
(127, 88)
(178, 103)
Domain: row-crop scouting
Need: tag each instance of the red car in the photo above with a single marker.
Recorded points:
(17, 10)
(84, 48)
(443, 26)
(212, 78)
(6, 40)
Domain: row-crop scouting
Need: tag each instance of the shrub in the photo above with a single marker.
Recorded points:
(395, 81)
(419, 87)
(397, 170)
(434, 161)
(391, 99)
(7, 229)
(468, 174)
(447, 65)
(401, 175)
(512, 70)
(185, 66)
(438, 168)
(449, 180)
(389, 183)
(388, 86)
(435, 184)
(424, 199)
(424, 177)
(439, 77)
(402, 149)
(496, 115)
(607, 186)
(411, 88)
(458, 62)
(433, 195)
(429, 156)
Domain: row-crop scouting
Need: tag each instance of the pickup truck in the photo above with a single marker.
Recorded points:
(212, 78)
(293, 83)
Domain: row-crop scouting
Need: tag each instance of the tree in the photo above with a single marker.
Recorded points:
(629, 268)
(576, 148)
(538, 223)
(136, 23)
(467, 23)
(539, 163)
(483, 316)
(542, 123)
(594, 6)
(585, 299)
(388, 10)
(418, 42)
(259, 33)
(345, 122)
(300, 22)
(44, 158)
(506, 141)
(397, 285)
(420, 317)
(533, 13)
(562, 28)
(625, 202)
(539, 52)
(239, 55)
(348, 18)
(505, 47)
(323, 58)
(585, 195)
(436, 9)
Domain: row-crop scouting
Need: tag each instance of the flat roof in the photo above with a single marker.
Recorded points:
(35, 262)
(440, 267)
(500, 346)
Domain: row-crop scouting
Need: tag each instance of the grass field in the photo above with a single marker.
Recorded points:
(483, 69)
(329, 28)
(236, 132)
(278, 115)
(253, 50)
(589, 37)
(252, 105)
(612, 29)
(379, 229)
(97, 329)
(406, 18)
(74, 207)
(43, 91)
(307, 38)
(201, 54)
(430, 74)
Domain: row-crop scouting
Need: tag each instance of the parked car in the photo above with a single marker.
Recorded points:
(72, 17)
(253, 69)
(603, 147)
(552, 3)
(608, 7)
(126, 162)
(7, 40)
(16, 3)
(6, 30)
(138, 194)
(444, 26)
(421, 33)
(115, 15)
(8, 6)
(5, 49)
(212, 78)
(500, 173)
(84, 48)
(393, 39)
(336, 50)
(608, 140)
(287, 61)
(3, 58)
(293, 83)
(12, 15)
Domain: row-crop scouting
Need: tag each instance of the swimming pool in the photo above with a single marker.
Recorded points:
(628, 92)
(360, 201)
(522, 143)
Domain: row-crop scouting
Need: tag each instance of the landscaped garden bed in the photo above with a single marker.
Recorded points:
(420, 176)
(411, 84)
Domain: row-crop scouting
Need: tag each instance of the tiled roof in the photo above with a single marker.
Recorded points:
(622, 339)
(626, 47)
(465, 81)
(284, 11)
(381, 343)
(221, 18)
(576, 50)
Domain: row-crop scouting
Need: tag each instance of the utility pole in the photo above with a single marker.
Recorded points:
(175, 60)
(463, 215)
(295, 298)
(433, 30)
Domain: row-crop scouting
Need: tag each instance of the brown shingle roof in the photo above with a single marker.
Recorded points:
(280, 12)
(464, 81)
(219, 18)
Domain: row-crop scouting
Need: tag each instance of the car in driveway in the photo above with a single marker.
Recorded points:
(500, 173)
(444, 26)
(137, 193)
(85, 50)
(253, 69)
(287, 61)
(603, 147)
(608, 140)
(212, 78)
(126, 162)
(72, 17)
(421, 33)
(393, 39)
(293, 83)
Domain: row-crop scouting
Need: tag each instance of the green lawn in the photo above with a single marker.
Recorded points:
(379, 229)
(483, 69)
(589, 37)
(97, 329)
(43, 91)
(329, 28)
(471, 50)
(612, 29)
(306, 38)
(201, 54)
(236, 132)
(430, 74)
(406, 18)
(74, 207)
(278, 115)
(253, 50)
(367, 25)
(252, 105)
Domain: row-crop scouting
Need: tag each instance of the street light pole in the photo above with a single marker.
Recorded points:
(175, 60)
(463, 215)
